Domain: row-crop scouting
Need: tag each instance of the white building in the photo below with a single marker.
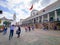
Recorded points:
(21, 20)
(4, 19)
(47, 16)
(14, 20)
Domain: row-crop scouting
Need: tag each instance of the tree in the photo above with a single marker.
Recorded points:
(6, 23)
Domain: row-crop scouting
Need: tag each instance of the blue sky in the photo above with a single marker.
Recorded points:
(21, 7)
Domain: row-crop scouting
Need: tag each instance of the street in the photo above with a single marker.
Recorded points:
(36, 37)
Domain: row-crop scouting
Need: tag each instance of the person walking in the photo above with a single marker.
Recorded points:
(32, 27)
(11, 31)
(26, 29)
(29, 28)
(5, 30)
(18, 32)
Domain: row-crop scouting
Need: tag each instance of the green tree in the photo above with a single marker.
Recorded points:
(7, 23)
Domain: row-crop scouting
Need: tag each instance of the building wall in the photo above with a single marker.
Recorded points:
(2, 22)
(51, 10)
(47, 9)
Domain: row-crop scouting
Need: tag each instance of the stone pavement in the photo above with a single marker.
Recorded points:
(36, 37)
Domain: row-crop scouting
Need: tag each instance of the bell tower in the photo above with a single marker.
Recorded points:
(14, 17)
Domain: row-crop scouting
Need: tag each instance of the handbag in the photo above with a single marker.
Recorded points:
(17, 32)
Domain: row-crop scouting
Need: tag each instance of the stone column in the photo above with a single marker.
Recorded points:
(42, 19)
(38, 19)
(48, 16)
(33, 21)
(55, 15)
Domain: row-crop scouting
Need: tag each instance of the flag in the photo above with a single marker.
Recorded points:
(31, 7)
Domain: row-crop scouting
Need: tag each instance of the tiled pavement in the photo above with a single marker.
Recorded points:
(37, 37)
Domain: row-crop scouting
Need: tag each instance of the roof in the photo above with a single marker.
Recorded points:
(4, 18)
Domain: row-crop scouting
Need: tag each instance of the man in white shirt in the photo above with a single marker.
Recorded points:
(11, 31)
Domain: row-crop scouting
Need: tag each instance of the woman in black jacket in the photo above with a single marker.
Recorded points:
(18, 31)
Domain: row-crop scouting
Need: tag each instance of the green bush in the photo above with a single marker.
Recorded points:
(7, 23)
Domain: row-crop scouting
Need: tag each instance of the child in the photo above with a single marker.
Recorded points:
(5, 30)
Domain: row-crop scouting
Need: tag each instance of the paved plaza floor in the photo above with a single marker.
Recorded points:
(36, 37)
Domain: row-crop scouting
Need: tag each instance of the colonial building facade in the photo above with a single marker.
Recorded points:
(49, 17)
(4, 19)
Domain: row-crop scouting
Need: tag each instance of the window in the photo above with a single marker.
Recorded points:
(52, 16)
(58, 14)
(58, 11)
(40, 18)
(36, 18)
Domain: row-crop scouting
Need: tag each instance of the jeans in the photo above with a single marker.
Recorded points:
(5, 31)
(11, 33)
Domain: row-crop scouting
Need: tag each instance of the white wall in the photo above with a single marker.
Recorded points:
(2, 22)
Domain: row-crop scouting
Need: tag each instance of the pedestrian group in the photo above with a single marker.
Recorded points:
(18, 31)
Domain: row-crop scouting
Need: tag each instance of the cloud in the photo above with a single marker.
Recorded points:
(7, 15)
(4, 0)
(25, 11)
(14, 1)
(6, 9)
(19, 4)
(44, 3)
(35, 1)
(21, 17)
(21, 7)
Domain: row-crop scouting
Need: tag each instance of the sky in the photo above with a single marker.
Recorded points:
(21, 7)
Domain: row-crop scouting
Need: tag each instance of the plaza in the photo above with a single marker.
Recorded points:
(39, 21)
(36, 37)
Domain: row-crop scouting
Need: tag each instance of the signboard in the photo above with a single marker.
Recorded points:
(0, 11)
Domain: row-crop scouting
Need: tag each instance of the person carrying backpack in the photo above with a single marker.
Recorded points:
(18, 32)
(5, 30)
